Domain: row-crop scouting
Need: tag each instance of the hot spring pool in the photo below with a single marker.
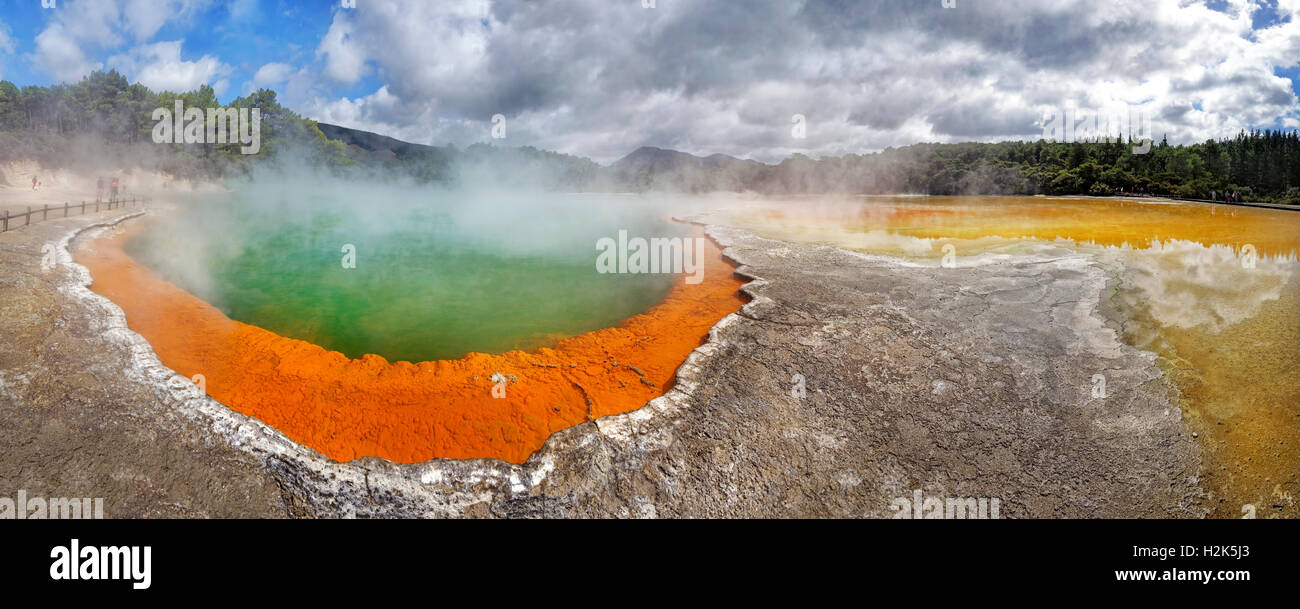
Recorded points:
(436, 276)
(474, 325)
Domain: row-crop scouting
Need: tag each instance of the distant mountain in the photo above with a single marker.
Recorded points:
(375, 143)
(660, 160)
(650, 168)
(722, 160)
(940, 169)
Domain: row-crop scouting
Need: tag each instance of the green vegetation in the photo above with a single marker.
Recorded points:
(1261, 165)
(53, 125)
(106, 109)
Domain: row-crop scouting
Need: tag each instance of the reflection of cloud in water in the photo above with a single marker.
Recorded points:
(1185, 284)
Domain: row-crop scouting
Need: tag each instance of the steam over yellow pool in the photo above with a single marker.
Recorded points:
(1211, 289)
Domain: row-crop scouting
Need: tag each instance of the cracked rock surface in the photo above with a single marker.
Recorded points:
(847, 382)
(72, 424)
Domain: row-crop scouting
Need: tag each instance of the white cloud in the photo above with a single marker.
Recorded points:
(159, 66)
(591, 78)
(271, 74)
(82, 26)
(59, 55)
(361, 112)
(143, 18)
(706, 77)
(7, 44)
(93, 24)
(343, 60)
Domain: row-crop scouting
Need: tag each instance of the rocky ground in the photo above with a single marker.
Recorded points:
(73, 425)
(849, 382)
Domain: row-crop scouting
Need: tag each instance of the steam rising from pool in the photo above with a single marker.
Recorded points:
(438, 273)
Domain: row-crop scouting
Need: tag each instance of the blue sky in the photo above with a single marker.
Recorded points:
(243, 35)
(599, 78)
(1265, 17)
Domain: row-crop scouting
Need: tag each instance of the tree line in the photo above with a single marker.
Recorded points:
(1260, 165)
(105, 108)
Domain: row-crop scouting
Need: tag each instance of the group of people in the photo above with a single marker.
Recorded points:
(1229, 197)
(99, 190)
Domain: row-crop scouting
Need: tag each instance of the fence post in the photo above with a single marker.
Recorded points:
(29, 216)
(83, 207)
(65, 209)
(6, 221)
(45, 212)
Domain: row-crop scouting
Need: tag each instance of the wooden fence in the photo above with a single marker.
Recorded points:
(10, 222)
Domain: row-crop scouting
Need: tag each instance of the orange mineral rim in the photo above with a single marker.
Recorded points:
(413, 412)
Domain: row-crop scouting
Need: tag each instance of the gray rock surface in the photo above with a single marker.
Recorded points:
(72, 424)
(979, 381)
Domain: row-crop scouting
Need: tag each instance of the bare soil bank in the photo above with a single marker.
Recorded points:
(968, 382)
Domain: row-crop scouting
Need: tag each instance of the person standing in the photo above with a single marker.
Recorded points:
(112, 190)
(99, 189)
(33, 182)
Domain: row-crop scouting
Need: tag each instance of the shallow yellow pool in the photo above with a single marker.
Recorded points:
(1212, 290)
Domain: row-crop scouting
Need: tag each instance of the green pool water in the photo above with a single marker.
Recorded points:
(437, 275)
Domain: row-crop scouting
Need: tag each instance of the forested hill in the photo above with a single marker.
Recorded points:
(1262, 166)
(65, 124)
(103, 117)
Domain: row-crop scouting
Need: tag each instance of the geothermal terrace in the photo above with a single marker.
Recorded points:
(957, 382)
